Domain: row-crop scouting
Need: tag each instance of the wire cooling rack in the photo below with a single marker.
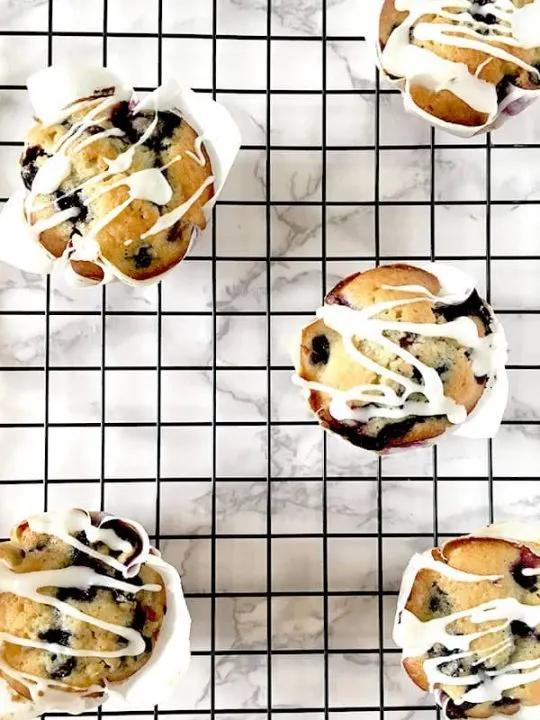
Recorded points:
(174, 405)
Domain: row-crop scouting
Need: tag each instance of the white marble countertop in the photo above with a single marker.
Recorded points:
(243, 537)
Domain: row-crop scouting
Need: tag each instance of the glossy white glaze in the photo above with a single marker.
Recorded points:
(55, 88)
(173, 639)
(416, 637)
(412, 65)
(488, 357)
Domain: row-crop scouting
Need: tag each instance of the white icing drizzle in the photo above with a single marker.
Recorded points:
(416, 637)
(54, 93)
(54, 220)
(383, 400)
(512, 530)
(29, 586)
(148, 184)
(419, 66)
(198, 154)
(170, 218)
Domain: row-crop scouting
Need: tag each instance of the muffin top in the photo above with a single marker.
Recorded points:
(459, 58)
(393, 361)
(468, 620)
(116, 185)
(82, 605)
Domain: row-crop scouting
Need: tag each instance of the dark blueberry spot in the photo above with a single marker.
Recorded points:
(148, 644)
(487, 19)
(520, 629)
(135, 125)
(142, 258)
(439, 604)
(168, 123)
(504, 88)
(407, 340)
(94, 129)
(81, 558)
(442, 368)
(473, 306)
(56, 636)
(527, 559)
(122, 118)
(66, 594)
(454, 668)
(175, 232)
(74, 200)
(61, 666)
(417, 375)
(123, 531)
(457, 712)
(320, 350)
(139, 618)
(506, 702)
(353, 432)
(392, 431)
(438, 650)
(29, 166)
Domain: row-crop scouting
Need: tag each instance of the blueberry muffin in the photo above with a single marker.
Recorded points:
(461, 64)
(118, 176)
(394, 359)
(114, 186)
(83, 603)
(468, 621)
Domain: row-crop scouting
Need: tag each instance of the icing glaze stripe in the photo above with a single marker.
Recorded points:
(416, 637)
(491, 29)
(382, 400)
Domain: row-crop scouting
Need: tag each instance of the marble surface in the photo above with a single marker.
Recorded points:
(260, 582)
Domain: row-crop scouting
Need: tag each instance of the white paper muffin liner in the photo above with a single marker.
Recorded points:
(485, 419)
(514, 102)
(50, 91)
(150, 685)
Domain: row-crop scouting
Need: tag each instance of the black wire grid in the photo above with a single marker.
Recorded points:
(211, 657)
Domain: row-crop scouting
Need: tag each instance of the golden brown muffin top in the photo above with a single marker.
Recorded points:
(116, 187)
(470, 611)
(459, 60)
(379, 385)
(80, 604)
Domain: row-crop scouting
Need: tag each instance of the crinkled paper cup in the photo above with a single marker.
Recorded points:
(485, 419)
(513, 103)
(54, 88)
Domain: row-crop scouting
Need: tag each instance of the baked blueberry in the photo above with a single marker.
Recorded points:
(380, 386)
(83, 627)
(473, 56)
(480, 631)
(119, 173)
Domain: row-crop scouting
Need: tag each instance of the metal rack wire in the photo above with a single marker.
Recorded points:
(382, 652)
